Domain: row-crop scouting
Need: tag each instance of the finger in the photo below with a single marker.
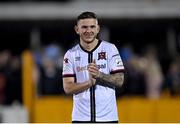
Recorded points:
(92, 64)
(94, 61)
(93, 68)
(93, 72)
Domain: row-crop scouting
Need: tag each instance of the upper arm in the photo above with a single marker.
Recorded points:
(115, 63)
(67, 83)
(68, 67)
(68, 72)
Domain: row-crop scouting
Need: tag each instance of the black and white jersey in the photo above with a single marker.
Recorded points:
(97, 103)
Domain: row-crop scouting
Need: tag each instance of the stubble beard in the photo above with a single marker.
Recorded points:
(89, 41)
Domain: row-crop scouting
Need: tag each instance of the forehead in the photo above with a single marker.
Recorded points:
(88, 21)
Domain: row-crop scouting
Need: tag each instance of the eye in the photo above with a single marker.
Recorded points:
(93, 26)
(84, 27)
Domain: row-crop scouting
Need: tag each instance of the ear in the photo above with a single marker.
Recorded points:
(98, 28)
(76, 29)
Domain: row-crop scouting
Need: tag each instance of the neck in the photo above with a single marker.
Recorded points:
(89, 46)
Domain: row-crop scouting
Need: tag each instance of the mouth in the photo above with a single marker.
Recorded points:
(89, 35)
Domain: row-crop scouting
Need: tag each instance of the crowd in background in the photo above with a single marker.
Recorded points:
(49, 70)
(143, 75)
(10, 78)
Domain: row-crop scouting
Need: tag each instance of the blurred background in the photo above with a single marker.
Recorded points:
(35, 34)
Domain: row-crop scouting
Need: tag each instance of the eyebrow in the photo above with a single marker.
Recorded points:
(85, 26)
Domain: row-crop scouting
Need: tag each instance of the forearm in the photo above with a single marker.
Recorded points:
(111, 79)
(75, 88)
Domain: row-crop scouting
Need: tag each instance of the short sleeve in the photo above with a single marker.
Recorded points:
(68, 65)
(115, 61)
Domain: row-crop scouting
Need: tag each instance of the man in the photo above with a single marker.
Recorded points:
(91, 71)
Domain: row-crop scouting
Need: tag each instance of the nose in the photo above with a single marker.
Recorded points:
(88, 29)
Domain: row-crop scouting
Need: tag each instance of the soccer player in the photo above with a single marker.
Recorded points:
(91, 71)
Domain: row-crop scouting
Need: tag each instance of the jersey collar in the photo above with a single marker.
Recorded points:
(99, 42)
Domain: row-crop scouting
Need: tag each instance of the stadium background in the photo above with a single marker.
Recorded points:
(35, 34)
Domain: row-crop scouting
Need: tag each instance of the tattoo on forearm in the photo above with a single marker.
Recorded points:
(112, 79)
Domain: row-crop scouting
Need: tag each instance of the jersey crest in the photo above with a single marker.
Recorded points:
(102, 55)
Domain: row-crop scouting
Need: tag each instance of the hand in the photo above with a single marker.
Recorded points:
(93, 69)
(92, 80)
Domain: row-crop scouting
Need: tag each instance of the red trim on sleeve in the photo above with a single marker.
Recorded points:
(68, 75)
(117, 71)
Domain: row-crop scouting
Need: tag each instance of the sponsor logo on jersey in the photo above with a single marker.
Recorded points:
(101, 66)
(77, 58)
(83, 68)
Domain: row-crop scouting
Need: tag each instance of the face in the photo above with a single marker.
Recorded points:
(87, 29)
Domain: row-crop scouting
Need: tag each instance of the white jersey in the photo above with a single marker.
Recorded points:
(97, 103)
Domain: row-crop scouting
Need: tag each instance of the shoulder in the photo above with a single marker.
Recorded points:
(73, 49)
(107, 44)
(70, 52)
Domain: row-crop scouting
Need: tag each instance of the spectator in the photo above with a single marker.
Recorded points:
(134, 78)
(152, 72)
(174, 76)
(14, 85)
(4, 74)
(50, 81)
(2, 89)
